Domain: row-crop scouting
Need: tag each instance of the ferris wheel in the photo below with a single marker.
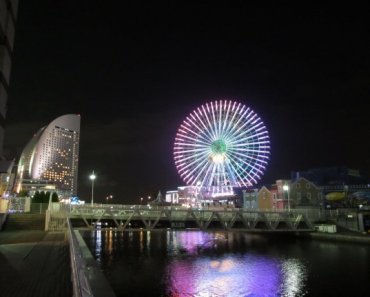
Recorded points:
(221, 145)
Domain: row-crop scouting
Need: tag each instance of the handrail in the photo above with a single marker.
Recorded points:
(81, 287)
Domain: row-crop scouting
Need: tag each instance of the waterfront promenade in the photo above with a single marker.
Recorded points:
(34, 263)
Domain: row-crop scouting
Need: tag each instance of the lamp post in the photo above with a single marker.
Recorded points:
(286, 189)
(141, 200)
(92, 177)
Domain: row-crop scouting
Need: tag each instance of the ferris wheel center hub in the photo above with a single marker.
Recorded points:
(218, 146)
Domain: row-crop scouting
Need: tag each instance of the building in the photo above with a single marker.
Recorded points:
(51, 157)
(250, 199)
(304, 193)
(264, 199)
(8, 16)
(172, 197)
(332, 176)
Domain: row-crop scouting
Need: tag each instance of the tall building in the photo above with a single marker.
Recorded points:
(8, 15)
(51, 157)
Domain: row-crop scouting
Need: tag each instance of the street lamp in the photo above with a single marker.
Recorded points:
(286, 189)
(141, 200)
(92, 177)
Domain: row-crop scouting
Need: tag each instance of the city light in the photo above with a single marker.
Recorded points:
(286, 189)
(92, 178)
(109, 198)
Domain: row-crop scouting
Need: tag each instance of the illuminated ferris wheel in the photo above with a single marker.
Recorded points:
(221, 145)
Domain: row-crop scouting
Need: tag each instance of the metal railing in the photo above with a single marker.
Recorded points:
(81, 287)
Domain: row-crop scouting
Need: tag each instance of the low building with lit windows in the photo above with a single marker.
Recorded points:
(51, 156)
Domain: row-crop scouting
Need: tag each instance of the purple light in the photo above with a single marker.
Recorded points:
(221, 140)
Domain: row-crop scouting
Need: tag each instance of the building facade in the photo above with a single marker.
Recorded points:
(8, 16)
(304, 193)
(52, 156)
(264, 199)
(250, 199)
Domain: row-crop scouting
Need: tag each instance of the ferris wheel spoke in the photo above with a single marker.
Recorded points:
(225, 120)
(211, 175)
(241, 159)
(196, 157)
(192, 131)
(234, 114)
(180, 159)
(201, 131)
(241, 178)
(188, 170)
(252, 136)
(220, 118)
(252, 165)
(205, 109)
(236, 128)
(252, 133)
(191, 172)
(259, 159)
(206, 131)
(190, 141)
(214, 122)
(249, 144)
(205, 167)
(233, 130)
(246, 173)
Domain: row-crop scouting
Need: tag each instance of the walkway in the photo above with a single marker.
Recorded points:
(34, 263)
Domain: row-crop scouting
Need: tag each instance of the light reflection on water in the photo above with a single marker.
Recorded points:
(229, 275)
(197, 263)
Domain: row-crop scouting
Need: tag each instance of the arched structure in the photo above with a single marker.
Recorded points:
(51, 156)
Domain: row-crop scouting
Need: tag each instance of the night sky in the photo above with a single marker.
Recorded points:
(134, 71)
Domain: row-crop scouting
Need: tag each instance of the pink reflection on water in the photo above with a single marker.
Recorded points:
(193, 242)
(227, 276)
(231, 275)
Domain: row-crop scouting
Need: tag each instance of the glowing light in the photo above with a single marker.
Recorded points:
(218, 158)
(221, 141)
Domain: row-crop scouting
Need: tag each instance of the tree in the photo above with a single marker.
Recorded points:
(37, 197)
(54, 197)
(42, 197)
(47, 197)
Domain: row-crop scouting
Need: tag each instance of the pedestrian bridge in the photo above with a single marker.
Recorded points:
(130, 217)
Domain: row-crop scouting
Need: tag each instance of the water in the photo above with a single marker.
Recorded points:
(235, 264)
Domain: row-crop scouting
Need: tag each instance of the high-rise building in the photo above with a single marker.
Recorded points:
(8, 15)
(51, 157)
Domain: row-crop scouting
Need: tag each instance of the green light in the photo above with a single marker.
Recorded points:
(218, 146)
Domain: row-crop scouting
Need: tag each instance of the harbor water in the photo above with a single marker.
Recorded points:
(235, 264)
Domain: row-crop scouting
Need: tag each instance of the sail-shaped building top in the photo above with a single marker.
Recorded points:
(51, 156)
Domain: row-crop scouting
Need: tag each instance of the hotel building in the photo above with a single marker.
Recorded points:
(51, 158)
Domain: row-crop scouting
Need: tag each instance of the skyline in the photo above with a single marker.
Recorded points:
(134, 75)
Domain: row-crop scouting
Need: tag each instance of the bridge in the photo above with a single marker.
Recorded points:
(131, 217)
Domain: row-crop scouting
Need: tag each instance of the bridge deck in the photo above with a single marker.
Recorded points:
(128, 217)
